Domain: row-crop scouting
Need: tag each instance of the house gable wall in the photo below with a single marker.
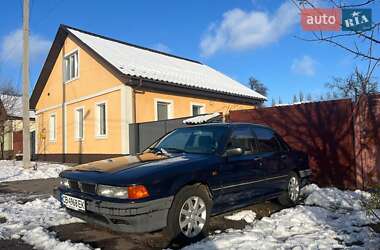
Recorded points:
(95, 83)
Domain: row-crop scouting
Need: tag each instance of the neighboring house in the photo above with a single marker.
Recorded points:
(11, 126)
(92, 87)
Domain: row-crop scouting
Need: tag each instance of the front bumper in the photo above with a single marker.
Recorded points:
(123, 217)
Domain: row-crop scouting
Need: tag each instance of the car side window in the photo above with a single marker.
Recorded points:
(283, 144)
(242, 137)
(266, 140)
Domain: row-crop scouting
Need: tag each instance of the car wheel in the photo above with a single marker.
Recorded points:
(189, 215)
(292, 194)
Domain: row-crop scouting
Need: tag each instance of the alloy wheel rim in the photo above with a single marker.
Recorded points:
(192, 217)
(293, 189)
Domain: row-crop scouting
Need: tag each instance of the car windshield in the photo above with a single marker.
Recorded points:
(198, 140)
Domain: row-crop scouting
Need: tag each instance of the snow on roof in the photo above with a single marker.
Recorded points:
(140, 62)
(13, 106)
(201, 119)
(290, 104)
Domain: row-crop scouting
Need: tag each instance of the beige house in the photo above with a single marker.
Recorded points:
(92, 87)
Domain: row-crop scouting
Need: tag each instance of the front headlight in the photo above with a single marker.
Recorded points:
(113, 192)
(64, 183)
(130, 192)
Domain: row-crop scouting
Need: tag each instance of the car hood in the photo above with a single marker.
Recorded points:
(141, 168)
(117, 164)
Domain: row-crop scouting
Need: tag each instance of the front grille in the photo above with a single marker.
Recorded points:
(74, 185)
(88, 188)
(82, 187)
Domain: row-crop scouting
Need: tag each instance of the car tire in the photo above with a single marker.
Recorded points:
(185, 223)
(292, 194)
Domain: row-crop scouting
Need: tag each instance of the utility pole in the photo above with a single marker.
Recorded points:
(25, 87)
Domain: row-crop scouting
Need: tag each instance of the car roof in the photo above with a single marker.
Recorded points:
(231, 124)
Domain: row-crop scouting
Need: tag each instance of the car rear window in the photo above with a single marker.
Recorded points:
(266, 140)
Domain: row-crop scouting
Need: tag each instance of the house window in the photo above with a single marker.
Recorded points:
(52, 127)
(79, 118)
(102, 119)
(71, 66)
(197, 109)
(163, 110)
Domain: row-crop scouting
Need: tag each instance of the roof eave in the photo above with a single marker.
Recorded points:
(48, 66)
(157, 85)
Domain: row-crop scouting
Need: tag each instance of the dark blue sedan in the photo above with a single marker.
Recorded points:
(184, 178)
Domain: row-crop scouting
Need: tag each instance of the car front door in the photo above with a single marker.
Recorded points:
(239, 173)
(270, 157)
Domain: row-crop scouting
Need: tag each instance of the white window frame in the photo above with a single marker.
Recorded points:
(97, 115)
(170, 108)
(202, 105)
(54, 129)
(64, 66)
(76, 124)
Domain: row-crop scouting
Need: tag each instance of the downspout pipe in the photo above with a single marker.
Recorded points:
(138, 85)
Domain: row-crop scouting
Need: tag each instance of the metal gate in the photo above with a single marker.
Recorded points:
(142, 135)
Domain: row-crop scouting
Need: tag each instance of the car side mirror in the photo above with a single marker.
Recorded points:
(234, 152)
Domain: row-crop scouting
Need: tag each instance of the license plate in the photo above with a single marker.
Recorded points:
(73, 203)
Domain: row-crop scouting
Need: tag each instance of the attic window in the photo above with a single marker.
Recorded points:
(71, 66)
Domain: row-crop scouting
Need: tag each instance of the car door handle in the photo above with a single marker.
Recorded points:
(257, 158)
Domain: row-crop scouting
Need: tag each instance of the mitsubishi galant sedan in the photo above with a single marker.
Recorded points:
(184, 178)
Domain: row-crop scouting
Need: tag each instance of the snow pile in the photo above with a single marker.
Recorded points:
(14, 171)
(29, 221)
(201, 119)
(330, 219)
(334, 199)
(41, 239)
(247, 215)
(24, 217)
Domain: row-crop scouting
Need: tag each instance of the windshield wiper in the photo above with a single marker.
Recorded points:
(176, 150)
(165, 150)
(159, 150)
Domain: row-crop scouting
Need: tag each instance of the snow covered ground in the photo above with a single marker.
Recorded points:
(330, 218)
(29, 221)
(14, 171)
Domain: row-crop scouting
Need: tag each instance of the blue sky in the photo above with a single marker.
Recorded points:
(240, 38)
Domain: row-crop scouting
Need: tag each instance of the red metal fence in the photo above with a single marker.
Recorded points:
(329, 132)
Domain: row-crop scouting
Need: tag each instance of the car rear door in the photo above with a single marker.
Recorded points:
(239, 173)
(270, 160)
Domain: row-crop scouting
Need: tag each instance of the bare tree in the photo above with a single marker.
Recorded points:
(295, 99)
(273, 102)
(328, 96)
(279, 100)
(363, 45)
(9, 105)
(359, 44)
(301, 96)
(354, 85)
(257, 86)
